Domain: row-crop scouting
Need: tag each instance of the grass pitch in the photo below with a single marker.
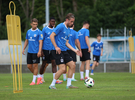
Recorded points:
(108, 86)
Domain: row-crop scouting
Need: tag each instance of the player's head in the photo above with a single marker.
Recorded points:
(34, 23)
(86, 24)
(70, 19)
(52, 22)
(99, 37)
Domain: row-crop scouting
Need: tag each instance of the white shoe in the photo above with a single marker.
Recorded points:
(42, 80)
(91, 73)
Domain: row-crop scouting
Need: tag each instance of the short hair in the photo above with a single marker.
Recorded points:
(34, 20)
(86, 22)
(99, 35)
(69, 16)
(52, 18)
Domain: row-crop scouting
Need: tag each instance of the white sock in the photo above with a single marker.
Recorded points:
(42, 75)
(53, 82)
(53, 75)
(34, 78)
(69, 81)
(87, 73)
(81, 73)
(73, 77)
(38, 75)
(64, 76)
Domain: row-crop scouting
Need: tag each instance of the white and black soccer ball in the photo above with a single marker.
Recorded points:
(89, 82)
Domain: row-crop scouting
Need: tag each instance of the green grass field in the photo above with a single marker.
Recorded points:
(108, 86)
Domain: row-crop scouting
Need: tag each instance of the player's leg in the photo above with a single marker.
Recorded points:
(57, 75)
(42, 80)
(73, 55)
(95, 63)
(54, 70)
(73, 77)
(64, 75)
(87, 59)
(30, 67)
(93, 67)
(29, 62)
(87, 69)
(69, 62)
(35, 61)
(59, 58)
(44, 62)
(35, 72)
(82, 70)
(71, 65)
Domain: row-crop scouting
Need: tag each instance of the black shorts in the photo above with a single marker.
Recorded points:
(62, 58)
(72, 54)
(96, 58)
(48, 56)
(85, 55)
(32, 58)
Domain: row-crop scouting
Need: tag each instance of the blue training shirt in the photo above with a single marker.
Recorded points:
(33, 37)
(97, 47)
(62, 35)
(82, 33)
(47, 44)
(73, 36)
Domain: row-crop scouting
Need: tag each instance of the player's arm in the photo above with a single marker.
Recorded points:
(40, 48)
(71, 48)
(77, 43)
(88, 44)
(101, 51)
(25, 45)
(58, 50)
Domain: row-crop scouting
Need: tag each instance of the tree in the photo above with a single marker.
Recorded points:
(26, 11)
(0, 11)
(74, 5)
(59, 7)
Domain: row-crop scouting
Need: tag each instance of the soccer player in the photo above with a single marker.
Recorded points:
(47, 47)
(59, 38)
(97, 52)
(83, 35)
(73, 40)
(34, 38)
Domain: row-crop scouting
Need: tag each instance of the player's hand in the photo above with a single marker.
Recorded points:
(42, 54)
(23, 52)
(77, 52)
(89, 50)
(80, 53)
(58, 50)
(101, 54)
(39, 54)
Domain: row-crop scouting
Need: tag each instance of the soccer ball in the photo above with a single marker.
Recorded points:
(89, 82)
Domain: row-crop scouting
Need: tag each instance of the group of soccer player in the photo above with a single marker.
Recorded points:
(58, 47)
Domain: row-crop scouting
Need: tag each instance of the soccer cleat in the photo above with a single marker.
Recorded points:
(71, 87)
(52, 87)
(42, 80)
(86, 77)
(59, 82)
(38, 80)
(91, 73)
(73, 80)
(64, 79)
(82, 79)
(32, 83)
